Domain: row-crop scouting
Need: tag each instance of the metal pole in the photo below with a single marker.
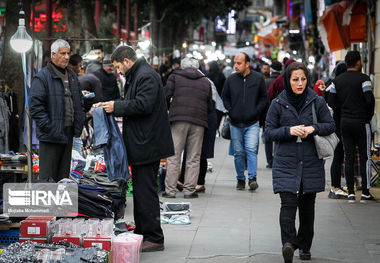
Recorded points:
(128, 19)
(27, 123)
(136, 21)
(97, 13)
(48, 24)
(118, 19)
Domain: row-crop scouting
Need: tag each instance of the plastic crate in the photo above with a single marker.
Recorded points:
(9, 236)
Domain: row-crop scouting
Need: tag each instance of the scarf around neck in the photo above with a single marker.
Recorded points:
(297, 101)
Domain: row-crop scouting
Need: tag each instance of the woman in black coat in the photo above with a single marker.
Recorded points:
(297, 172)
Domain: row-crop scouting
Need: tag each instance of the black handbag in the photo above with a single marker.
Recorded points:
(226, 133)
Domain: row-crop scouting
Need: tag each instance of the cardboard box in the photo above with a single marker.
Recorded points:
(40, 240)
(36, 226)
(103, 243)
(70, 239)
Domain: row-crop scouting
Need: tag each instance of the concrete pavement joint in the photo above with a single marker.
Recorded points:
(261, 256)
(206, 205)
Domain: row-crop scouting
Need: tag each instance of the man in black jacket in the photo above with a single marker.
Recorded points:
(351, 93)
(147, 138)
(189, 95)
(107, 77)
(244, 96)
(56, 105)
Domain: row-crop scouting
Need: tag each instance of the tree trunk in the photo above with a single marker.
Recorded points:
(154, 26)
(73, 20)
(88, 20)
(11, 66)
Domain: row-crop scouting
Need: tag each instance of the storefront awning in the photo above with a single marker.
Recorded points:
(343, 23)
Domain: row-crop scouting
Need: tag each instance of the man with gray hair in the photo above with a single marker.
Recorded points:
(56, 105)
(189, 94)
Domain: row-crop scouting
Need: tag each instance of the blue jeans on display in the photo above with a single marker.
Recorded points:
(245, 142)
(77, 144)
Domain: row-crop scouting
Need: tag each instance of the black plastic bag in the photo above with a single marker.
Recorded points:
(226, 133)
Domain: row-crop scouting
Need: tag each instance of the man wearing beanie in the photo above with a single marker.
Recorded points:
(108, 80)
(277, 85)
(351, 93)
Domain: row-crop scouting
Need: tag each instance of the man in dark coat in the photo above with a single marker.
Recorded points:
(244, 96)
(56, 105)
(189, 93)
(147, 138)
(107, 77)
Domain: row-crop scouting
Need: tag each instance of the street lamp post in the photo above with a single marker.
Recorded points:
(21, 42)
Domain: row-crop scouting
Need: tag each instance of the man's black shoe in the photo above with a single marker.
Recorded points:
(240, 185)
(269, 166)
(166, 195)
(288, 252)
(148, 246)
(193, 195)
(252, 183)
(305, 254)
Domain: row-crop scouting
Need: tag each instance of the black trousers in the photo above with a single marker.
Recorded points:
(336, 166)
(306, 211)
(55, 158)
(356, 133)
(146, 206)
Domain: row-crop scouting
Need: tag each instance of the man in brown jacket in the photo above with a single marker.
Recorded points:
(189, 96)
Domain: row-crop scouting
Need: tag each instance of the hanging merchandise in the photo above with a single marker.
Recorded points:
(11, 99)
(107, 134)
(4, 123)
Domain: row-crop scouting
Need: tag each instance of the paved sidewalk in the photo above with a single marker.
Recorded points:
(242, 226)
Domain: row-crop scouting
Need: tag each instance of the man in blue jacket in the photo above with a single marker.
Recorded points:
(56, 105)
(147, 138)
(244, 96)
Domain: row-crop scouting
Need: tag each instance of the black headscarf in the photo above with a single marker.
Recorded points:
(297, 101)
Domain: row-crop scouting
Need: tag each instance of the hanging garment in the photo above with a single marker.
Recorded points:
(4, 125)
(107, 134)
(14, 130)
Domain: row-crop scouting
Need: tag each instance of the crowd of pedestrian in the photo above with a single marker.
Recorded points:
(174, 111)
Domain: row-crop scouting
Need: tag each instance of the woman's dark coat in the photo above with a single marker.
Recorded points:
(296, 162)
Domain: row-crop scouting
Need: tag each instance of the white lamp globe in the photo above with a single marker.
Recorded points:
(21, 42)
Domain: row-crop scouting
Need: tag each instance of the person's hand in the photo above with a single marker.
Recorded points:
(307, 130)
(297, 130)
(108, 106)
(96, 105)
(322, 87)
(85, 92)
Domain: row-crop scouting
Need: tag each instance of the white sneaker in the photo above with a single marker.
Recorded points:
(341, 194)
(351, 198)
